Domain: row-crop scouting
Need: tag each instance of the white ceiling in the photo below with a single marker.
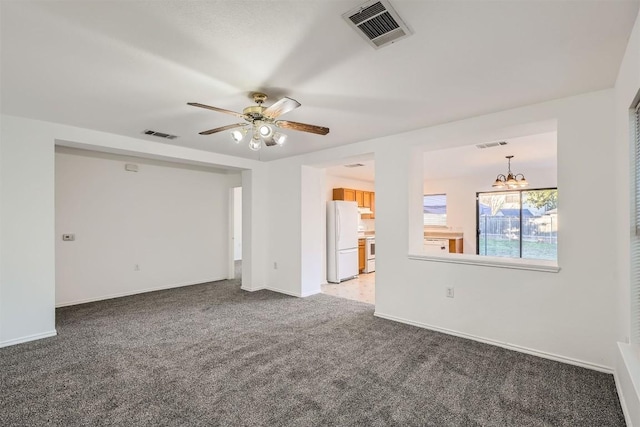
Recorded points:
(126, 66)
(530, 152)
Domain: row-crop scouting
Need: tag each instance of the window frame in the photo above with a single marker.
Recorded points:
(446, 222)
(519, 191)
(634, 250)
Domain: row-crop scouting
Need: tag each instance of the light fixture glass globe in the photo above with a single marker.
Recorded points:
(279, 138)
(238, 135)
(265, 131)
(255, 144)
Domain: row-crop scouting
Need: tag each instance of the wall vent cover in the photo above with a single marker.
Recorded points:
(491, 144)
(159, 134)
(377, 22)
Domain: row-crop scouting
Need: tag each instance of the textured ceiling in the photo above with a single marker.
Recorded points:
(126, 66)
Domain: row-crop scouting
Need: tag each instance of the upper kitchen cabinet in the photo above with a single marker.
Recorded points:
(344, 194)
(372, 205)
(365, 199)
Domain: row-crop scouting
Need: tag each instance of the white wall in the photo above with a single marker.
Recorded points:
(626, 89)
(163, 226)
(237, 223)
(27, 254)
(313, 236)
(461, 199)
(26, 233)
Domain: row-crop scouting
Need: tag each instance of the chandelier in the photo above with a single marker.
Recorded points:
(510, 181)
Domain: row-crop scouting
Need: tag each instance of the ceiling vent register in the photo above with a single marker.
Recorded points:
(491, 144)
(377, 22)
(159, 134)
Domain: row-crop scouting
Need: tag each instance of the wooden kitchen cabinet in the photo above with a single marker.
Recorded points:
(455, 246)
(361, 255)
(365, 199)
(344, 194)
(370, 202)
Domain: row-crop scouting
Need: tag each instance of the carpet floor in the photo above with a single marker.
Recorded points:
(213, 354)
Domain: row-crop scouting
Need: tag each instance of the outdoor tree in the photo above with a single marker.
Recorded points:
(547, 199)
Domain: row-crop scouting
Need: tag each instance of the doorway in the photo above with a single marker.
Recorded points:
(235, 233)
(353, 180)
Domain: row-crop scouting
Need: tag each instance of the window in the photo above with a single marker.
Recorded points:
(518, 224)
(434, 207)
(635, 239)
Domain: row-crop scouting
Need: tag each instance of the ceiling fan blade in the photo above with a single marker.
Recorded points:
(320, 130)
(283, 105)
(220, 129)
(220, 110)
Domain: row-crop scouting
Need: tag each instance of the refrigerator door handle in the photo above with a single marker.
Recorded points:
(338, 222)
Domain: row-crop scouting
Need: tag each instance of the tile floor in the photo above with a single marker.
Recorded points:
(361, 288)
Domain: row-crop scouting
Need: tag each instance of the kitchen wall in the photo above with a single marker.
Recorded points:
(163, 226)
(461, 198)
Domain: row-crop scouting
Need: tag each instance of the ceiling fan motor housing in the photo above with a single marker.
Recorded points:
(254, 111)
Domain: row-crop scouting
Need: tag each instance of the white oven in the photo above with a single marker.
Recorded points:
(370, 254)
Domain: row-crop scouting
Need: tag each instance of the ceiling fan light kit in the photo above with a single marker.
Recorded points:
(510, 181)
(262, 122)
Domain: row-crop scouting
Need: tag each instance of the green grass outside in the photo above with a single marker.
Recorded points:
(511, 249)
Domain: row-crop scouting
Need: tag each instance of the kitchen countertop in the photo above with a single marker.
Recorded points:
(443, 234)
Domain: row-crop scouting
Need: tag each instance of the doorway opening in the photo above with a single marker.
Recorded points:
(235, 233)
(353, 180)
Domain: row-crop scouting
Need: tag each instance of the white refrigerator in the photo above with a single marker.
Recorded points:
(342, 241)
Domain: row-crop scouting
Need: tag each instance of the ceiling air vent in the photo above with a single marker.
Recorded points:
(491, 144)
(159, 134)
(377, 22)
(354, 165)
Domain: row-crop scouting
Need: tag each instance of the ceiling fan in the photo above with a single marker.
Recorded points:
(262, 122)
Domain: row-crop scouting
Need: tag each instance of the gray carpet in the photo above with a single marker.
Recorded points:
(213, 354)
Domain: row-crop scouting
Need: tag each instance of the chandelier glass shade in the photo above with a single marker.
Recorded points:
(511, 180)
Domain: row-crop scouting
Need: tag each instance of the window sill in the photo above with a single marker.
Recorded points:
(487, 261)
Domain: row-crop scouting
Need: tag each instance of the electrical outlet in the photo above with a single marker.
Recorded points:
(275, 265)
(449, 292)
(136, 267)
(68, 237)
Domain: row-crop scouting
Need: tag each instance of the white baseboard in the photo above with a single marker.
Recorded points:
(137, 291)
(28, 338)
(533, 352)
(627, 378)
(281, 291)
(622, 399)
(244, 288)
